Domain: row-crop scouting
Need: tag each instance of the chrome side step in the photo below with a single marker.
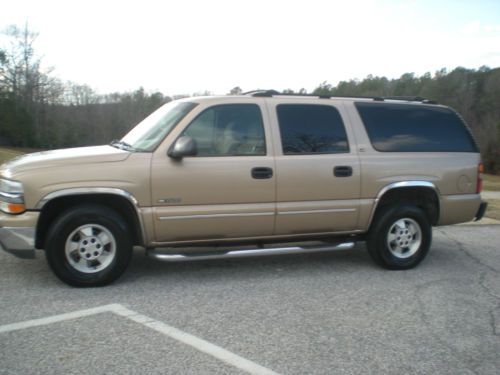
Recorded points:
(166, 257)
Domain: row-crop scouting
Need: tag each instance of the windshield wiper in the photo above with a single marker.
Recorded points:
(122, 145)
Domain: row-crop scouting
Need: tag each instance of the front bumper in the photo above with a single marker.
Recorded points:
(19, 241)
(17, 234)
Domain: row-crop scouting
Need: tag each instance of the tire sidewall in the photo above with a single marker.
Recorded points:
(377, 243)
(66, 223)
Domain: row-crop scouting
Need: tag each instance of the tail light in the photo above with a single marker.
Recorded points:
(480, 171)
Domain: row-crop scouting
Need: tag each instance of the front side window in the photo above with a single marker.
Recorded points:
(414, 128)
(228, 130)
(311, 129)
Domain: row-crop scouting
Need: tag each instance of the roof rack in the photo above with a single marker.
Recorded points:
(271, 93)
(262, 93)
(411, 99)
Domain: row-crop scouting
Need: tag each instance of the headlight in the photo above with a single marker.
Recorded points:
(11, 197)
(11, 187)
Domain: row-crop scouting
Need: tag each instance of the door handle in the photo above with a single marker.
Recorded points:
(342, 171)
(261, 173)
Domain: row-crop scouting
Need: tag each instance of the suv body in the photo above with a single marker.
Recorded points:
(246, 170)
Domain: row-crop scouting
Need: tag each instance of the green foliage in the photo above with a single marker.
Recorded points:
(101, 120)
(16, 124)
(235, 91)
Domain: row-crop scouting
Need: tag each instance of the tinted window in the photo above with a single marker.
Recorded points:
(311, 129)
(228, 130)
(415, 128)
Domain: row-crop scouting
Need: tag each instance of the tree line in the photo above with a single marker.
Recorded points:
(38, 110)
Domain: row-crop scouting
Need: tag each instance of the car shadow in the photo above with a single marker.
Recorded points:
(290, 265)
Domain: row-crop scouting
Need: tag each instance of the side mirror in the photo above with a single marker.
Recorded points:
(183, 146)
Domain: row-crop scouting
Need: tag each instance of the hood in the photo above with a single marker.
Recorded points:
(69, 156)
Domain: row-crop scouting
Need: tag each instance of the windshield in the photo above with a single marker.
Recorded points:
(146, 135)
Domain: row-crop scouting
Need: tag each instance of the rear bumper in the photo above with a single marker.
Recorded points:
(480, 211)
(459, 208)
(18, 241)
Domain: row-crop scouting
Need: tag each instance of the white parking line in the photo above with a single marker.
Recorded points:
(195, 342)
(55, 318)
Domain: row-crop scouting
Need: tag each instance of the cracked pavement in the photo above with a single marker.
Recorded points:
(330, 313)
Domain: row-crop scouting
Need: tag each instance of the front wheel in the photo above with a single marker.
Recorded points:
(400, 237)
(88, 245)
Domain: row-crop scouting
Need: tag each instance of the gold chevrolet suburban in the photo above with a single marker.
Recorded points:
(255, 174)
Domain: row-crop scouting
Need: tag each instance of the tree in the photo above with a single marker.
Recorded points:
(3, 60)
(76, 94)
(26, 88)
(323, 89)
(21, 71)
(236, 91)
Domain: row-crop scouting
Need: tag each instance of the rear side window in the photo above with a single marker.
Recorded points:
(414, 128)
(311, 129)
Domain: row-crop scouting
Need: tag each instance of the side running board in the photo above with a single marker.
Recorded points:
(168, 257)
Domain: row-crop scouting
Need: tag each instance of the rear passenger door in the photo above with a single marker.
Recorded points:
(318, 171)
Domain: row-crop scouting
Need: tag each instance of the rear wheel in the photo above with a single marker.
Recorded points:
(400, 237)
(88, 245)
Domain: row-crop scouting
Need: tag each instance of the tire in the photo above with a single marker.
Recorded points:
(88, 246)
(400, 237)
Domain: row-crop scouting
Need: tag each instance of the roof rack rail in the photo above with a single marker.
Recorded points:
(271, 93)
(406, 98)
(264, 93)
(411, 99)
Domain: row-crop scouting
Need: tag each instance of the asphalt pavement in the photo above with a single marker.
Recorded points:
(329, 313)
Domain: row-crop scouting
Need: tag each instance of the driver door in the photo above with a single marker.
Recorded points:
(227, 190)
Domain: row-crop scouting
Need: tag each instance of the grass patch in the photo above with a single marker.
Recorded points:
(491, 182)
(493, 210)
(7, 153)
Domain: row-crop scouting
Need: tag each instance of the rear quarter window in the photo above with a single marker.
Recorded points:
(415, 128)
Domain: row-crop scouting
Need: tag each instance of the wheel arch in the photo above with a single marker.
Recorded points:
(119, 200)
(423, 194)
